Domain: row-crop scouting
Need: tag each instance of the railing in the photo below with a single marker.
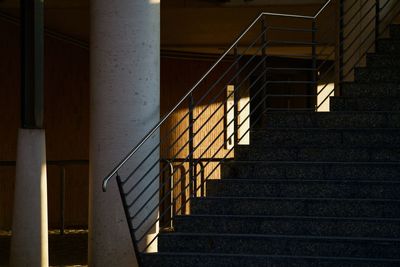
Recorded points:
(280, 62)
(62, 165)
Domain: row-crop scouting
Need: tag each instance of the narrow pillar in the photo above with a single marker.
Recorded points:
(125, 89)
(29, 242)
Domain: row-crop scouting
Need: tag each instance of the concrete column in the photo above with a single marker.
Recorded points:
(125, 89)
(29, 240)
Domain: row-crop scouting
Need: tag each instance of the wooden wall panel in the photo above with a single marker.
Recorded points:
(66, 122)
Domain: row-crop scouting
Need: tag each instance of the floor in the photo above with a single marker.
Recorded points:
(69, 249)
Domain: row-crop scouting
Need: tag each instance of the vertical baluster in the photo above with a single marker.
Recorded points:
(377, 19)
(62, 200)
(341, 42)
(264, 65)
(236, 101)
(192, 177)
(314, 61)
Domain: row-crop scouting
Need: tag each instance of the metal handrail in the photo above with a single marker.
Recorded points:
(144, 196)
(165, 117)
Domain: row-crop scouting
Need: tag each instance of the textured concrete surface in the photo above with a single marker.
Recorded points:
(281, 225)
(125, 105)
(229, 260)
(29, 243)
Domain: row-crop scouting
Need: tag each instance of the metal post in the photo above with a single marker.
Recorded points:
(129, 221)
(314, 61)
(377, 19)
(62, 200)
(32, 64)
(263, 55)
(235, 102)
(192, 177)
(341, 43)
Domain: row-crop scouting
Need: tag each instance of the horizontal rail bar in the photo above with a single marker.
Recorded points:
(50, 162)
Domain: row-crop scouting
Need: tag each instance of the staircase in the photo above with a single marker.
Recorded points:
(312, 189)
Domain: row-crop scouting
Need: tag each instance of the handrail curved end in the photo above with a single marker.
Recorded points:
(104, 185)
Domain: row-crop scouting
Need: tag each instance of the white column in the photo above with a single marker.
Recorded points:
(29, 243)
(125, 102)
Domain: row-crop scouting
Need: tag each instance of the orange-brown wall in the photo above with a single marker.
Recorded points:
(66, 122)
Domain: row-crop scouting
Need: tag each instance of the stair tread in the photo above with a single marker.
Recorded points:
(272, 256)
(324, 218)
(246, 181)
(338, 238)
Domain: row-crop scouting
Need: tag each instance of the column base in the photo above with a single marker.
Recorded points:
(29, 241)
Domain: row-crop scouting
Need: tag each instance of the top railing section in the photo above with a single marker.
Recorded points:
(236, 51)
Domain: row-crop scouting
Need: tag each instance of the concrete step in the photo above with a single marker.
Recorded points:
(303, 119)
(287, 225)
(388, 46)
(383, 60)
(370, 74)
(318, 154)
(280, 245)
(180, 259)
(311, 170)
(288, 137)
(394, 31)
(359, 89)
(331, 207)
(304, 188)
(364, 104)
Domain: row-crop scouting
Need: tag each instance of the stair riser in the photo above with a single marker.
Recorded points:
(318, 154)
(291, 226)
(394, 32)
(277, 246)
(370, 90)
(241, 261)
(364, 104)
(383, 61)
(388, 46)
(329, 137)
(303, 189)
(331, 120)
(310, 171)
(283, 207)
(377, 75)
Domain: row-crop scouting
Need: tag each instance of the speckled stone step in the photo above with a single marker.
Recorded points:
(311, 170)
(383, 60)
(318, 154)
(359, 89)
(330, 207)
(370, 74)
(331, 120)
(304, 188)
(388, 46)
(174, 259)
(312, 137)
(394, 31)
(280, 225)
(364, 104)
(289, 137)
(280, 245)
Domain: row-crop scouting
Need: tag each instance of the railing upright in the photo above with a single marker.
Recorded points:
(377, 18)
(314, 70)
(129, 221)
(236, 102)
(192, 178)
(341, 43)
(263, 55)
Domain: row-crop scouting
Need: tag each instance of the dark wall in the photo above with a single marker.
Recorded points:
(66, 123)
